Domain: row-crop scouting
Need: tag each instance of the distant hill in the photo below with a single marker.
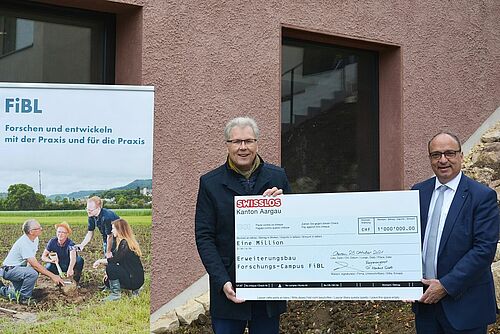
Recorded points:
(3, 195)
(147, 183)
(76, 194)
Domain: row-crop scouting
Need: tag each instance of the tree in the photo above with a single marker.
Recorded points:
(22, 197)
(122, 202)
(40, 200)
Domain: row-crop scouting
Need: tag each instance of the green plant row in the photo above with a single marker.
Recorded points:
(72, 220)
(57, 213)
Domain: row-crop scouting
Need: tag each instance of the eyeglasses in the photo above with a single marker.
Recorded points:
(238, 142)
(447, 154)
(36, 228)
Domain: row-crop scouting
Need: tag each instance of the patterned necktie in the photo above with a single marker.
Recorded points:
(430, 255)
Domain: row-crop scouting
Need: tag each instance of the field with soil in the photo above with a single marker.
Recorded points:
(54, 308)
(328, 317)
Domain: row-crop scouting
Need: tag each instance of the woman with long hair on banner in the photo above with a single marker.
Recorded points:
(124, 269)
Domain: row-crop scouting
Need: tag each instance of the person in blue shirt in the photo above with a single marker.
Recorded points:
(101, 218)
(61, 249)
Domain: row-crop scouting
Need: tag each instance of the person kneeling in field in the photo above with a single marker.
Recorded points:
(124, 269)
(21, 266)
(61, 250)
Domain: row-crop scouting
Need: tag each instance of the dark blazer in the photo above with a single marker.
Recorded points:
(214, 229)
(466, 251)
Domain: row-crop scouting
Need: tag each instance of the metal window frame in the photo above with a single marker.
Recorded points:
(103, 27)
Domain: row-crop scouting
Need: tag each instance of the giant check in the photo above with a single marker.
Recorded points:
(343, 246)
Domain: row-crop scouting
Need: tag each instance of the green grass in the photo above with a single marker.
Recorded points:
(140, 217)
(128, 315)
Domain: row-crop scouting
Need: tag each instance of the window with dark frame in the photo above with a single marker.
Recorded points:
(51, 44)
(329, 117)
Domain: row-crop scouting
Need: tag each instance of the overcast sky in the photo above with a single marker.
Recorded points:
(67, 167)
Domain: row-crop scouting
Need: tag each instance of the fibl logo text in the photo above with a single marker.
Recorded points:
(24, 106)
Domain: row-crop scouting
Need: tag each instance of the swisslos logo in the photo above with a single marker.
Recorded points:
(258, 202)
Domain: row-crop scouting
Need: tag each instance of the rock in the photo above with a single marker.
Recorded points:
(489, 156)
(26, 317)
(492, 135)
(204, 300)
(494, 184)
(495, 268)
(484, 175)
(189, 312)
(492, 147)
(497, 254)
(165, 323)
(202, 319)
(472, 157)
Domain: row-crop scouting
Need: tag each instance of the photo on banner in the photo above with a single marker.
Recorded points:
(60, 145)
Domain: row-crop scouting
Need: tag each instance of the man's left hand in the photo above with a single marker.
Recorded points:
(97, 263)
(109, 255)
(273, 192)
(434, 293)
(70, 272)
(230, 294)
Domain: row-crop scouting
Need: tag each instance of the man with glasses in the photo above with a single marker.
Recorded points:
(22, 268)
(243, 173)
(460, 226)
(101, 218)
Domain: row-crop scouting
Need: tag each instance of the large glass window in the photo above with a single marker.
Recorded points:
(329, 117)
(40, 43)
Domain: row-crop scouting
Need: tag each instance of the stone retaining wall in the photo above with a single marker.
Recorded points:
(483, 165)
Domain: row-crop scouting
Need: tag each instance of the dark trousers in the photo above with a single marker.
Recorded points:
(259, 324)
(64, 267)
(116, 272)
(432, 320)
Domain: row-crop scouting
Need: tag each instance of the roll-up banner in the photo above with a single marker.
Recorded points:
(61, 144)
(64, 139)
